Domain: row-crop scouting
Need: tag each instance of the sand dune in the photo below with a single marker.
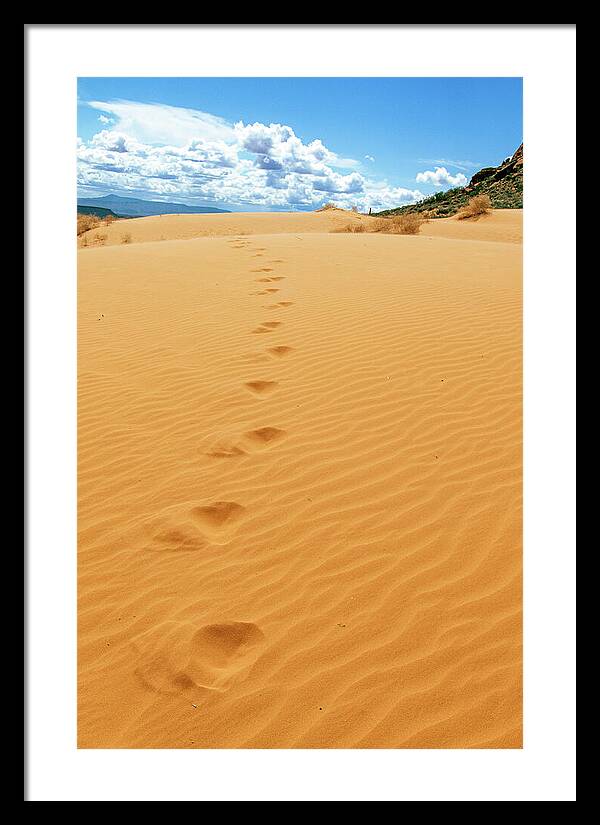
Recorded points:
(502, 225)
(300, 485)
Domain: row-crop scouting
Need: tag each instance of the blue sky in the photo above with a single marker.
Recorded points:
(291, 143)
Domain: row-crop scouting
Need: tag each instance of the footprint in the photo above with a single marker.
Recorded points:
(179, 538)
(278, 277)
(182, 528)
(261, 387)
(267, 326)
(278, 305)
(225, 451)
(262, 269)
(216, 645)
(265, 435)
(263, 280)
(218, 518)
(161, 655)
(279, 351)
(178, 657)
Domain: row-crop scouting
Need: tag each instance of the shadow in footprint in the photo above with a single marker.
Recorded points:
(218, 518)
(283, 304)
(279, 351)
(267, 326)
(264, 436)
(261, 387)
(177, 539)
(216, 645)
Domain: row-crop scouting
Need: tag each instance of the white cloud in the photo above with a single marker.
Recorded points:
(465, 165)
(441, 177)
(370, 157)
(159, 124)
(104, 119)
(198, 158)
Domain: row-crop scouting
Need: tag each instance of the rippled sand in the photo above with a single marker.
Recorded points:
(300, 484)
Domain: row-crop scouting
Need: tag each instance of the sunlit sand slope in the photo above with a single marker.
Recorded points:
(300, 492)
(503, 225)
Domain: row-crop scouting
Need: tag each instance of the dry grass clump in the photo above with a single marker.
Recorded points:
(85, 222)
(407, 224)
(126, 237)
(326, 206)
(479, 205)
(357, 226)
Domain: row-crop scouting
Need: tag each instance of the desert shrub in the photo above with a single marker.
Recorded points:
(85, 222)
(354, 209)
(351, 227)
(109, 219)
(407, 224)
(126, 237)
(380, 225)
(326, 206)
(479, 205)
(100, 237)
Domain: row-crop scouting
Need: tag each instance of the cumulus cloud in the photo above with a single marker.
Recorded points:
(441, 177)
(199, 158)
(370, 157)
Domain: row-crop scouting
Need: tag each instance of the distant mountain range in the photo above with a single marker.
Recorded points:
(99, 211)
(138, 208)
(503, 184)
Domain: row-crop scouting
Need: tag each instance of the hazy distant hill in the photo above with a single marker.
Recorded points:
(100, 211)
(503, 184)
(139, 208)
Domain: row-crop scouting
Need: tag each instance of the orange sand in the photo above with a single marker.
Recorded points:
(300, 484)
